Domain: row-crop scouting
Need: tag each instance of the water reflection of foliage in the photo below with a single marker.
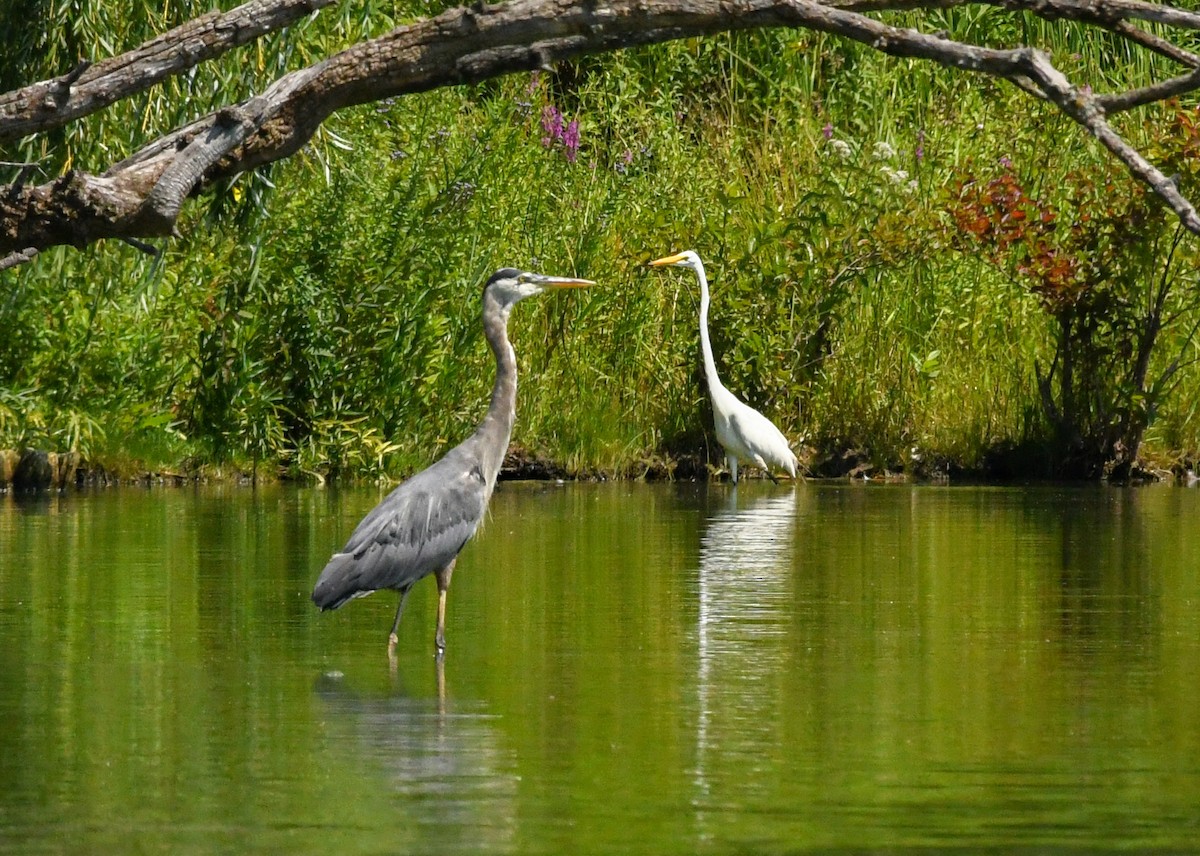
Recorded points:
(989, 665)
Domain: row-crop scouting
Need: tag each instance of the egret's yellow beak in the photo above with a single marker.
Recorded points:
(666, 260)
(564, 282)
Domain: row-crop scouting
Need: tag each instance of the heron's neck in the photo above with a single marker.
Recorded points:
(496, 428)
(710, 365)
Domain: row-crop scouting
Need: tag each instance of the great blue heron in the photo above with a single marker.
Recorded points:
(742, 431)
(421, 526)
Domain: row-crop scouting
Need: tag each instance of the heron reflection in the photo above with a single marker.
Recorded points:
(445, 757)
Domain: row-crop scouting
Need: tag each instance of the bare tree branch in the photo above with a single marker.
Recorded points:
(1085, 11)
(18, 258)
(1085, 110)
(1157, 44)
(142, 195)
(90, 87)
(1101, 11)
(1149, 94)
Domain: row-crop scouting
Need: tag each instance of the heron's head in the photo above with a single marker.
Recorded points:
(510, 285)
(686, 259)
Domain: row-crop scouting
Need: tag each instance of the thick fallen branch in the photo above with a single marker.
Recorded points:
(142, 196)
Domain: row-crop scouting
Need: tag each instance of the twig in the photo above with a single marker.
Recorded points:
(149, 249)
(1157, 44)
(1117, 102)
(18, 258)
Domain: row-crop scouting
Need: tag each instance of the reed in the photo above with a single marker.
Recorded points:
(321, 319)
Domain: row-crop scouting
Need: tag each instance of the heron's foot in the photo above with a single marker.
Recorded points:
(393, 660)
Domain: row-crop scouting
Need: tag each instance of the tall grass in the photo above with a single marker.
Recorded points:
(331, 327)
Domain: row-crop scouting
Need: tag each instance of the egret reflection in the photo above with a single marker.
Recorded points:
(745, 604)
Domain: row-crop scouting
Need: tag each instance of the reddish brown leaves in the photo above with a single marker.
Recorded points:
(1066, 249)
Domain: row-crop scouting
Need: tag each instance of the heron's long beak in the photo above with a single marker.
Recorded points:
(564, 282)
(666, 260)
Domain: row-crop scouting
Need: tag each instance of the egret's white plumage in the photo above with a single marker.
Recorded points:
(743, 432)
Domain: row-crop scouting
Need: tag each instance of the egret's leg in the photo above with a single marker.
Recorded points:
(758, 459)
(443, 584)
(393, 638)
(732, 461)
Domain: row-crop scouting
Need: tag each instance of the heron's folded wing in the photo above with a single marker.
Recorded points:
(417, 529)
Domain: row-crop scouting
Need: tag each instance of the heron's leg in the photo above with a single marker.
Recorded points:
(732, 461)
(443, 584)
(393, 638)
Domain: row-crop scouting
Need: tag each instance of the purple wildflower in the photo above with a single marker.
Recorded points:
(827, 131)
(920, 150)
(552, 126)
(570, 140)
(1005, 162)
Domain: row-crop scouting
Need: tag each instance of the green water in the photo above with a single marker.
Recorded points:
(649, 669)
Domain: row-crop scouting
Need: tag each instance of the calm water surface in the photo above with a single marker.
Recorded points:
(631, 668)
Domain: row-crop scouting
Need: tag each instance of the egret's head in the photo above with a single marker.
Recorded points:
(686, 259)
(510, 285)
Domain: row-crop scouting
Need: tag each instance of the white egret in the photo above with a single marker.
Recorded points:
(743, 432)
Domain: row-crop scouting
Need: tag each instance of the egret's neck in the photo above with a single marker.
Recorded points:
(496, 428)
(710, 365)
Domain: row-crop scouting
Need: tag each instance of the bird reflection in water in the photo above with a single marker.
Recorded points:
(445, 756)
(744, 593)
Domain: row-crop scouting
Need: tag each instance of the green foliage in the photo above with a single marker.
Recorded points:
(321, 318)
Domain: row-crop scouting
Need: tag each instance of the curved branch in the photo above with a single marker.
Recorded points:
(1159, 45)
(1099, 12)
(142, 195)
(1105, 11)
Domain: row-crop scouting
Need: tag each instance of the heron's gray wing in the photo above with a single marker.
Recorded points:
(418, 528)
